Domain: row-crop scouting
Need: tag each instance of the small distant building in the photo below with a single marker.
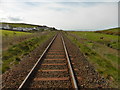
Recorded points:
(0, 26)
(6, 26)
(35, 28)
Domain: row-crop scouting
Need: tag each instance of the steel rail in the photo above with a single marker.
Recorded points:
(70, 66)
(32, 70)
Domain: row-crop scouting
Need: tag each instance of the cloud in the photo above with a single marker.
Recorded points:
(63, 15)
(14, 19)
(59, 0)
(10, 19)
(5, 16)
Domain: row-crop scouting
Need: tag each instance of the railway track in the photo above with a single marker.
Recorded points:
(53, 69)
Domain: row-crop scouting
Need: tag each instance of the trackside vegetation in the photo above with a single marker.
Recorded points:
(108, 40)
(7, 33)
(113, 31)
(14, 53)
(104, 57)
(10, 38)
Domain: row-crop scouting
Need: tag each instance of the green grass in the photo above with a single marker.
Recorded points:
(7, 33)
(96, 36)
(113, 31)
(10, 38)
(108, 53)
(14, 54)
(102, 57)
(108, 40)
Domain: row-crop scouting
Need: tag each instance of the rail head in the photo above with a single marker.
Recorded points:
(70, 66)
(31, 71)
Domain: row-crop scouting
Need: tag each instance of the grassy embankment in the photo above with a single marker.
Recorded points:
(101, 50)
(10, 38)
(14, 53)
(6, 33)
(113, 31)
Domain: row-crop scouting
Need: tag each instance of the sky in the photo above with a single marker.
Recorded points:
(62, 14)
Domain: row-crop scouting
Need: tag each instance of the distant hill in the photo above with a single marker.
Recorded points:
(25, 27)
(20, 24)
(113, 31)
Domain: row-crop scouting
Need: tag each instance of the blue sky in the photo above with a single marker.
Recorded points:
(61, 14)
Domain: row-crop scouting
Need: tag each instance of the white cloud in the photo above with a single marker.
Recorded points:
(63, 15)
(59, 0)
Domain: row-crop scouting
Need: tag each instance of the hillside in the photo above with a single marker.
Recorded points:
(113, 31)
(24, 27)
(20, 24)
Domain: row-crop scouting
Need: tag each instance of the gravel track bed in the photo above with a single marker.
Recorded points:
(53, 67)
(51, 84)
(61, 51)
(14, 77)
(89, 77)
(55, 57)
(56, 54)
(54, 61)
(52, 74)
(57, 48)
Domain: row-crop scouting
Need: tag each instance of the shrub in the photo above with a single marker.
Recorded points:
(18, 59)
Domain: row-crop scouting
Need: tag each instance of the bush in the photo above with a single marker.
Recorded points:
(5, 68)
(18, 59)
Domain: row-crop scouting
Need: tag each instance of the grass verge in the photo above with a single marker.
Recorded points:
(108, 40)
(7, 33)
(102, 65)
(14, 54)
